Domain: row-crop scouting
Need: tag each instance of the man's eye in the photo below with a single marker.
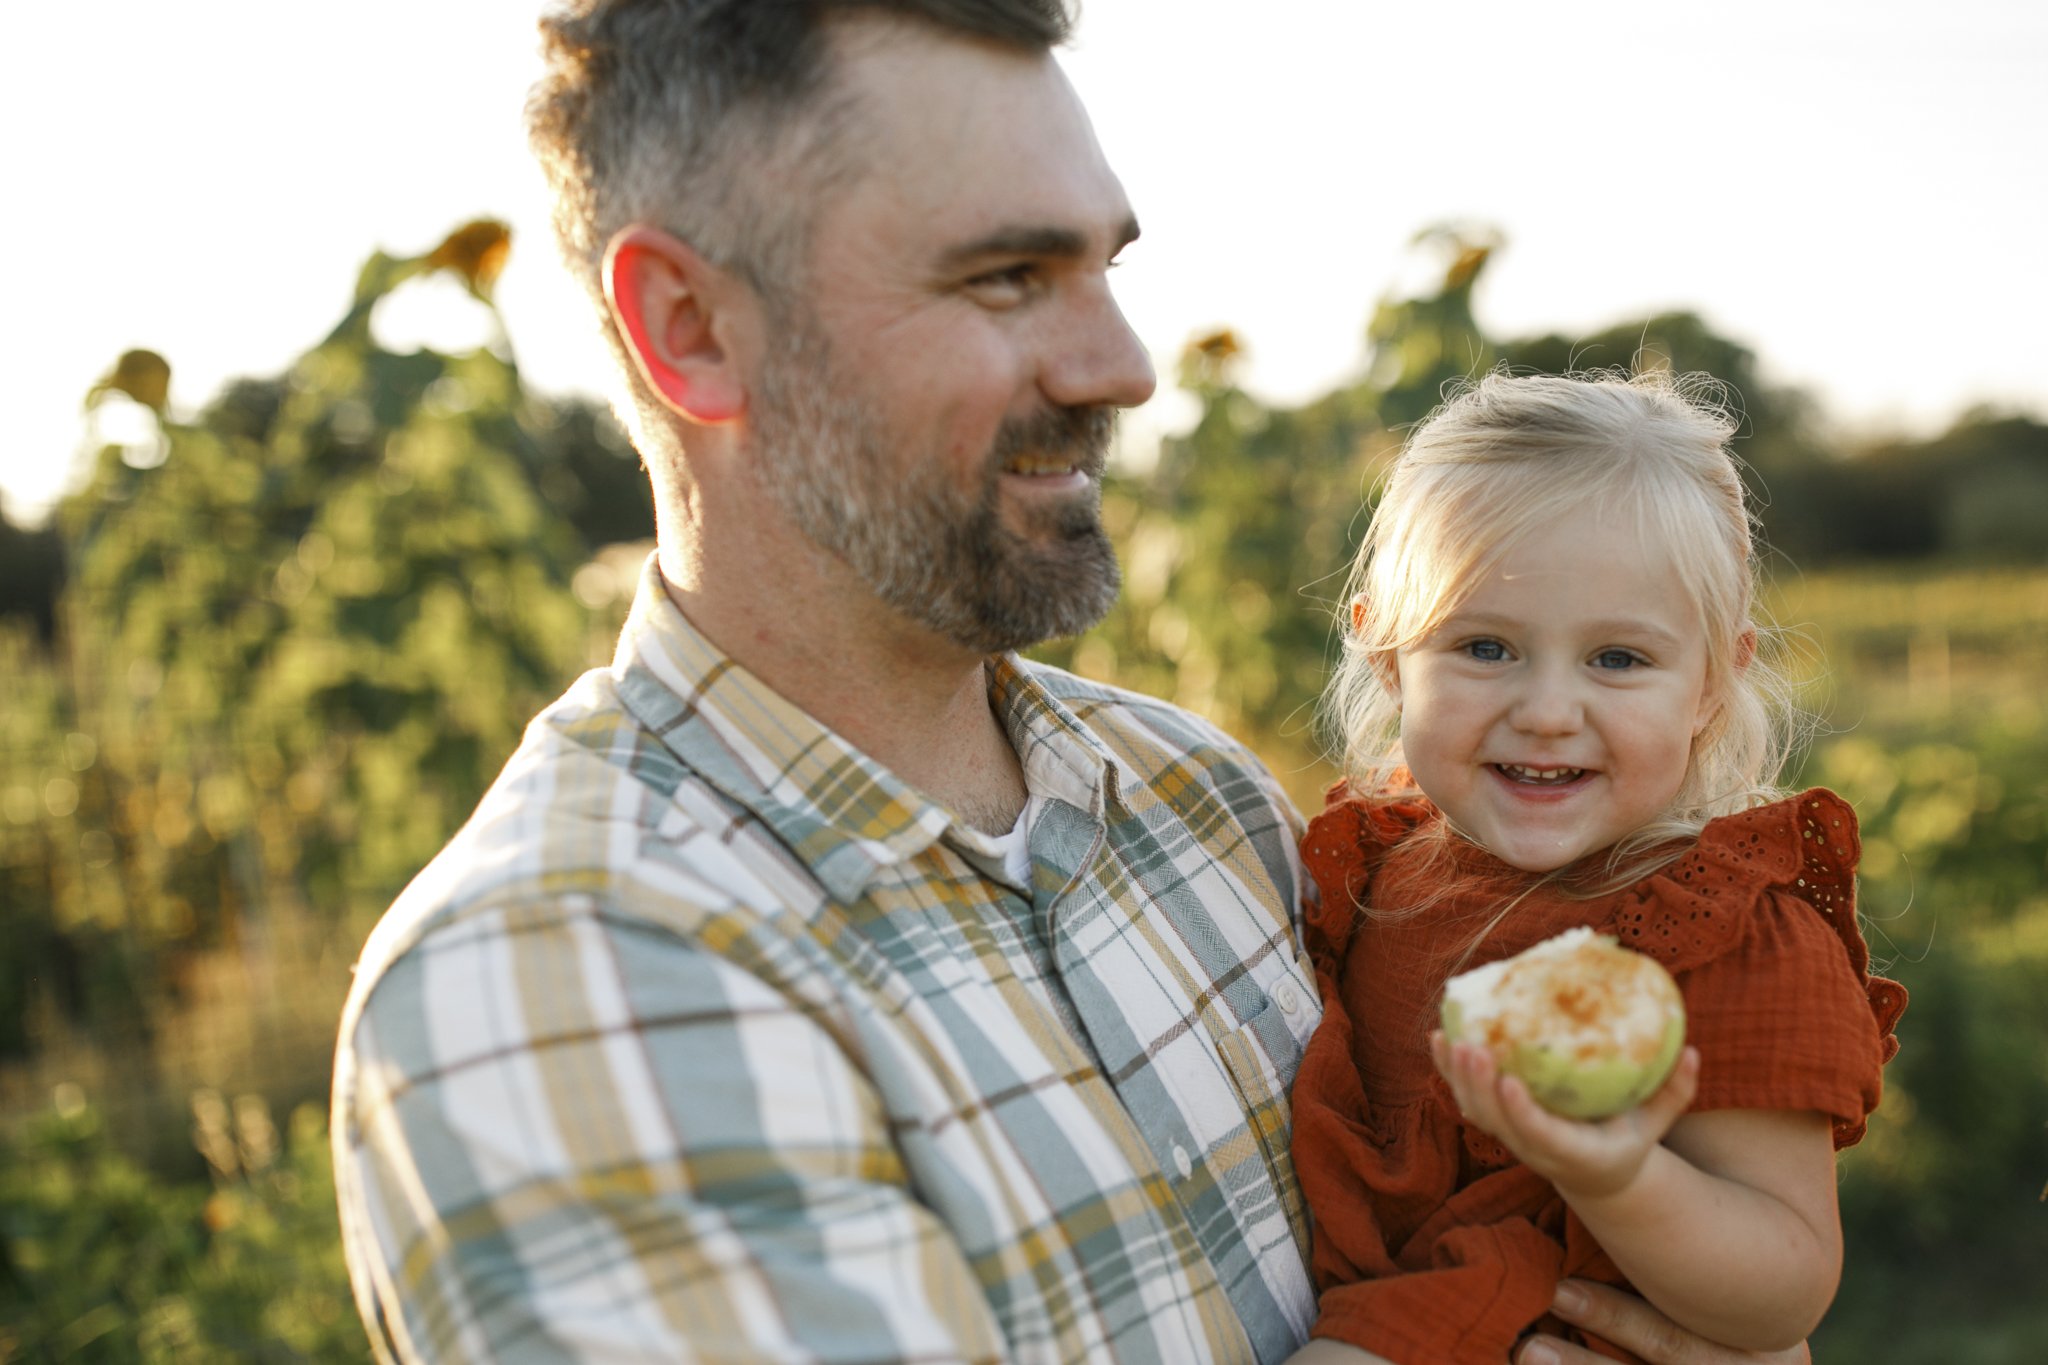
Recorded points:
(1616, 659)
(1012, 278)
(1487, 651)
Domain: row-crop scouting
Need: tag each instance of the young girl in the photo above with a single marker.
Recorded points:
(1556, 714)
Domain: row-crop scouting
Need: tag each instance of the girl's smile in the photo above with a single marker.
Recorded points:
(1553, 712)
(1542, 777)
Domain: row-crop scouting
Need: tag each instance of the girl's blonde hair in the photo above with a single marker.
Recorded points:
(1513, 452)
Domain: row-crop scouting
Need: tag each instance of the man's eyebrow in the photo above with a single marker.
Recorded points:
(1019, 240)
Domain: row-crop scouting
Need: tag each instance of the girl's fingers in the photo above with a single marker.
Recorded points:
(1469, 1071)
(1674, 1097)
(1581, 1155)
(1440, 1052)
(1534, 1127)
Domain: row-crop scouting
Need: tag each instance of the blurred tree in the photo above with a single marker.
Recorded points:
(31, 575)
(301, 633)
(102, 1260)
(143, 376)
(583, 464)
(1420, 346)
(57, 961)
(1978, 491)
(310, 635)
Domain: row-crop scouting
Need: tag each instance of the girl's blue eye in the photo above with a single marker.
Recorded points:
(1615, 658)
(1487, 651)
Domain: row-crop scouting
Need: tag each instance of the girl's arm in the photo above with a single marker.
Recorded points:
(1728, 1225)
(1731, 1227)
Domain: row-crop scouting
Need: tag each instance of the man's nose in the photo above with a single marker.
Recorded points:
(1096, 359)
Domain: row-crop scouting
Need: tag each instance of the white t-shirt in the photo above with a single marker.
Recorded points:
(1015, 846)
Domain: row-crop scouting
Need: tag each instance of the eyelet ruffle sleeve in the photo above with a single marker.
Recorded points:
(1758, 922)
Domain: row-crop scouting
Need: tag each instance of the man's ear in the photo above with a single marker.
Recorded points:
(664, 299)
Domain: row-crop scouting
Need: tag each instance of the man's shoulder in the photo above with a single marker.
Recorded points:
(1137, 718)
(592, 815)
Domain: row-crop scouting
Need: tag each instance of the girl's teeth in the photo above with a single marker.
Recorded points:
(1552, 776)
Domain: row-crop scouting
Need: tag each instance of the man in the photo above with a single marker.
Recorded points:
(820, 981)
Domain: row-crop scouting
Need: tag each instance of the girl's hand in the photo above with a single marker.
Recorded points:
(1584, 1160)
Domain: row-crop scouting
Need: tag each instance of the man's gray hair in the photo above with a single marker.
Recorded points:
(686, 113)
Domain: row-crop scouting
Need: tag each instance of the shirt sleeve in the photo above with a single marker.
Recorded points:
(572, 1138)
(1785, 1020)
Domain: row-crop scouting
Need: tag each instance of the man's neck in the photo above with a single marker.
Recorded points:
(915, 703)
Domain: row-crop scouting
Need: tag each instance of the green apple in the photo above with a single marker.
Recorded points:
(1592, 1028)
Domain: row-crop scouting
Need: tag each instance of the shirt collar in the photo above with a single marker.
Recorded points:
(1063, 759)
(845, 816)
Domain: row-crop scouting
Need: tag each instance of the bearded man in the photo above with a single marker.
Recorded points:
(821, 981)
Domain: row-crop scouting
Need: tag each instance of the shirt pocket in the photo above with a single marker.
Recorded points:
(1264, 1051)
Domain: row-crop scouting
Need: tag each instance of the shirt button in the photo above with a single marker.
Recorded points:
(1181, 1162)
(1287, 998)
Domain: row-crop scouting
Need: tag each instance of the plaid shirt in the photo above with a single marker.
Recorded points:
(709, 1039)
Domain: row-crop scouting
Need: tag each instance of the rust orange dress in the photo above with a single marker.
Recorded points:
(1433, 1246)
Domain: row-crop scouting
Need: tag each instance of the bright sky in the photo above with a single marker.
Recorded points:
(1856, 190)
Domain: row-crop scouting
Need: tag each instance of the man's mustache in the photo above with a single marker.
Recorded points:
(1081, 432)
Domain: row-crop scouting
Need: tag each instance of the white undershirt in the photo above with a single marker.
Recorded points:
(1014, 848)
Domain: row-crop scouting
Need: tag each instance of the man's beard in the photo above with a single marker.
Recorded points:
(940, 556)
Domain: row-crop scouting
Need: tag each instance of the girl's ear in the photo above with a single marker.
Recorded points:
(1389, 669)
(1745, 655)
(1384, 665)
